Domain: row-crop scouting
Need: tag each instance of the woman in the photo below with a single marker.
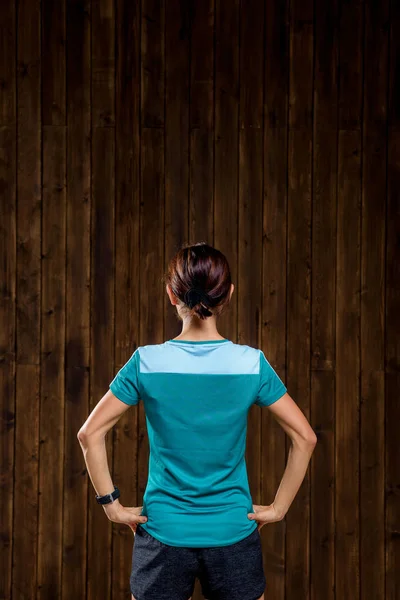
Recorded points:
(197, 518)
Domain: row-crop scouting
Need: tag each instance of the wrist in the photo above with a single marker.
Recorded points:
(111, 507)
(280, 510)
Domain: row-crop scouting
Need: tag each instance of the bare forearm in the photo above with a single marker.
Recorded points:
(95, 454)
(296, 468)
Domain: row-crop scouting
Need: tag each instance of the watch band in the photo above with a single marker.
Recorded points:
(108, 498)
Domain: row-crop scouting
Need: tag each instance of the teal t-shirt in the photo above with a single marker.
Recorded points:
(196, 398)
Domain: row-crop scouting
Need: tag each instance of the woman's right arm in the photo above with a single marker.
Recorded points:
(303, 438)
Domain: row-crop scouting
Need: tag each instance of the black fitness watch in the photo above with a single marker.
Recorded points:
(108, 497)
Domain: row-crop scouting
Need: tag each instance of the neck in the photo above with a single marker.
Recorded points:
(196, 329)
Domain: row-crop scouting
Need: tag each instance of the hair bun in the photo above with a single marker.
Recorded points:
(195, 295)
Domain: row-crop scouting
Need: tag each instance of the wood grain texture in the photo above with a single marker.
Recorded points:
(28, 309)
(372, 335)
(267, 129)
(323, 290)
(392, 311)
(299, 227)
(348, 306)
(8, 252)
(78, 279)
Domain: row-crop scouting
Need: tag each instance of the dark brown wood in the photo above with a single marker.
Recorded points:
(8, 251)
(28, 291)
(102, 259)
(153, 63)
(299, 218)
(76, 483)
(201, 115)
(226, 150)
(52, 399)
(392, 377)
(323, 289)
(348, 282)
(8, 33)
(392, 312)
(102, 335)
(347, 414)
(53, 57)
(372, 340)
(177, 141)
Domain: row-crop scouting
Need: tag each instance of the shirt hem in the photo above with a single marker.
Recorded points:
(164, 540)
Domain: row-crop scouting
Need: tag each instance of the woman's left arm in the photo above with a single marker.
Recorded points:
(91, 437)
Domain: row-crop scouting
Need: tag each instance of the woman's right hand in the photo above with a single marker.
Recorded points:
(265, 514)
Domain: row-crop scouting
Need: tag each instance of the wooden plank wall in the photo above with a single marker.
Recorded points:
(268, 129)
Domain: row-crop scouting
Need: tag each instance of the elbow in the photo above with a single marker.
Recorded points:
(88, 438)
(306, 442)
(311, 440)
(82, 437)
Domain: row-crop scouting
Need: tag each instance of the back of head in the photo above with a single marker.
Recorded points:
(199, 276)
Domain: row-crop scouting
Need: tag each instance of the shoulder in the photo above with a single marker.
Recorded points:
(150, 356)
(246, 349)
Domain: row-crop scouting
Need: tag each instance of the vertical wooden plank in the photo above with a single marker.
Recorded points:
(52, 401)
(273, 310)
(152, 176)
(8, 289)
(53, 62)
(8, 108)
(76, 480)
(322, 468)
(226, 112)
(52, 371)
(392, 319)
(103, 63)
(372, 401)
(348, 364)
(177, 82)
(101, 272)
(28, 290)
(250, 212)
(153, 63)
(127, 262)
(7, 349)
(298, 273)
(101, 339)
(201, 197)
(392, 377)
(347, 413)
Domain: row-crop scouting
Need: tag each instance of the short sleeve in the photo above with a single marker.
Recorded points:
(271, 386)
(125, 385)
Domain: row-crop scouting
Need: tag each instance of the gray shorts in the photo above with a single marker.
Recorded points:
(163, 572)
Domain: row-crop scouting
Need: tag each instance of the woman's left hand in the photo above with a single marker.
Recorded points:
(129, 515)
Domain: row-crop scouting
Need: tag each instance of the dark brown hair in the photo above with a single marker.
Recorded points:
(205, 269)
